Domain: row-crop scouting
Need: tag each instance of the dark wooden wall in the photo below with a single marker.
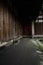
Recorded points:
(6, 24)
(18, 28)
(27, 30)
(39, 28)
(9, 28)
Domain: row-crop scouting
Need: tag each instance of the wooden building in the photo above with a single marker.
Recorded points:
(6, 24)
(37, 26)
(9, 27)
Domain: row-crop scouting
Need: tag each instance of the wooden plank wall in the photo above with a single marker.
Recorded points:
(6, 25)
(39, 28)
(1, 23)
(19, 29)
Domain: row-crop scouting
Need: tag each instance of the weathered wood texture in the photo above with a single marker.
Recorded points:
(18, 29)
(6, 25)
(9, 28)
(38, 28)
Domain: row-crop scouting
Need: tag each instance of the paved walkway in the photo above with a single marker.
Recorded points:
(21, 53)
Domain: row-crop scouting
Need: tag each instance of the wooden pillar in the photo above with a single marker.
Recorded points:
(32, 29)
